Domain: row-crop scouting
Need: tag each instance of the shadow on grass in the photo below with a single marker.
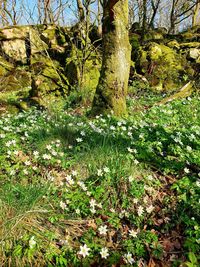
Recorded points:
(102, 147)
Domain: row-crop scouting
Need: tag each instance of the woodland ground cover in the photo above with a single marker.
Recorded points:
(76, 191)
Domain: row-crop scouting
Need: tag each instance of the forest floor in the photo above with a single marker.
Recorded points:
(104, 191)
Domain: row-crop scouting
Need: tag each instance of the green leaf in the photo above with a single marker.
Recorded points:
(18, 250)
(192, 257)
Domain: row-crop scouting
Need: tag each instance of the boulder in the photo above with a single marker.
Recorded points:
(47, 78)
(14, 50)
(189, 45)
(164, 67)
(194, 53)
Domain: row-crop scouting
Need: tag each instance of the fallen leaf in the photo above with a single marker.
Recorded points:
(151, 263)
(92, 224)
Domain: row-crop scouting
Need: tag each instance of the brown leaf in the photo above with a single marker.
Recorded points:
(177, 244)
(104, 217)
(145, 227)
(151, 263)
(92, 224)
(125, 229)
(167, 245)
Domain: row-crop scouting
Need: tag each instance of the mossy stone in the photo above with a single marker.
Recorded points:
(173, 44)
(163, 66)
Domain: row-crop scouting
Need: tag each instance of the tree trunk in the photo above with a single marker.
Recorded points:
(80, 10)
(113, 83)
(99, 30)
(196, 15)
(155, 9)
(144, 19)
(172, 18)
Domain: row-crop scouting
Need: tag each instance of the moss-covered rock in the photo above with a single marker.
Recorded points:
(173, 44)
(163, 66)
(14, 50)
(190, 45)
(16, 80)
(33, 57)
(153, 35)
(47, 78)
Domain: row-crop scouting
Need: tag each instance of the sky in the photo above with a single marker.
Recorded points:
(27, 11)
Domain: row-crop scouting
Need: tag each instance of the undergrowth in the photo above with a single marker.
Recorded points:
(101, 192)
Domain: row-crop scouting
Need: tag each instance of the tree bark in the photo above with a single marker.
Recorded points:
(81, 12)
(172, 18)
(155, 7)
(113, 83)
(144, 19)
(195, 19)
(99, 19)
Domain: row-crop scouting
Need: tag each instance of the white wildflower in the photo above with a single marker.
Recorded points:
(25, 172)
(32, 242)
(140, 210)
(74, 173)
(84, 250)
(189, 149)
(77, 211)
(150, 177)
(130, 149)
(16, 152)
(54, 153)
(130, 178)
(129, 258)
(63, 205)
(12, 172)
(48, 147)
(198, 182)
(136, 161)
(104, 253)
(150, 209)
(2, 136)
(133, 233)
(93, 211)
(36, 154)
(106, 169)
(46, 156)
(103, 229)
(99, 172)
(186, 170)
(112, 127)
(92, 203)
(69, 180)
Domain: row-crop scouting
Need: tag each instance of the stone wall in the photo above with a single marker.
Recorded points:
(34, 63)
(167, 61)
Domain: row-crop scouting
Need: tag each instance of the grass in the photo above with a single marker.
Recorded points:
(101, 192)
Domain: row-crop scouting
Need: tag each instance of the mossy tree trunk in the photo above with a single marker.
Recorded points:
(113, 83)
(195, 19)
(81, 12)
